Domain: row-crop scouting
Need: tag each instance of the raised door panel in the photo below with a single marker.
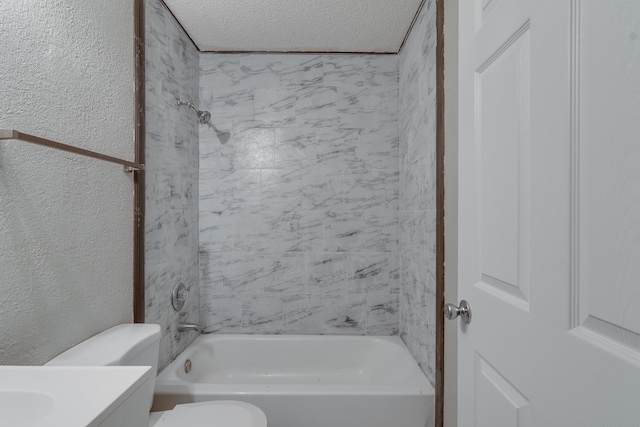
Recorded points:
(498, 402)
(607, 176)
(502, 141)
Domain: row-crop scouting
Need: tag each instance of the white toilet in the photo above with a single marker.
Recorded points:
(138, 345)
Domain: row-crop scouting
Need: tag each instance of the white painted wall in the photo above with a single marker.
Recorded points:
(67, 73)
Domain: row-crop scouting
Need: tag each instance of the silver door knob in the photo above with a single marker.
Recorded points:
(464, 311)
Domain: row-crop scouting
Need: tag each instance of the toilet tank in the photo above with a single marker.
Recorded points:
(134, 344)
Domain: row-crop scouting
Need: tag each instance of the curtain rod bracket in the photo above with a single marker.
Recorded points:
(131, 169)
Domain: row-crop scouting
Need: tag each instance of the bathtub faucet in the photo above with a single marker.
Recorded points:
(184, 327)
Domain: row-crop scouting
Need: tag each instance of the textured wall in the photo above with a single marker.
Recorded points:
(171, 225)
(67, 74)
(417, 189)
(298, 194)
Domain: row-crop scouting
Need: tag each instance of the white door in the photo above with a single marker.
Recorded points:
(549, 213)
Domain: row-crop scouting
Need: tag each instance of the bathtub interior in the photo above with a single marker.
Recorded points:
(295, 360)
(304, 381)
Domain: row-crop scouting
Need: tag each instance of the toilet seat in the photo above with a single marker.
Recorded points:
(224, 413)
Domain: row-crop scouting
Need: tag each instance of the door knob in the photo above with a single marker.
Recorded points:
(464, 311)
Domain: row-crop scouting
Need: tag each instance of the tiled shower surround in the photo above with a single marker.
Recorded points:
(417, 124)
(316, 196)
(171, 223)
(299, 194)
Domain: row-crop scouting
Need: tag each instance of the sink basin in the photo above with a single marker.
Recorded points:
(51, 396)
(24, 407)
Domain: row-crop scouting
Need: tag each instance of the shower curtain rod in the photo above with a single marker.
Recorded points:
(19, 136)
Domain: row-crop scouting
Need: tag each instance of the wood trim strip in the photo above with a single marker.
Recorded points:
(25, 137)
(139, 193)
(180, 25)
(415, 18)
(440, 267)
(292, 52)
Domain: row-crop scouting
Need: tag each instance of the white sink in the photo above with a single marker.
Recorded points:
(32, 396)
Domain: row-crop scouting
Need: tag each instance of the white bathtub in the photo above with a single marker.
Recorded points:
(304, 381)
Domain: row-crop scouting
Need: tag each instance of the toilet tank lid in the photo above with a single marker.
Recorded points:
(110, 347)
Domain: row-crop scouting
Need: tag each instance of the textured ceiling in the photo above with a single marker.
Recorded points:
(296, 25)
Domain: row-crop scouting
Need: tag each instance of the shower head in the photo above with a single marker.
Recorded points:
(204, 116)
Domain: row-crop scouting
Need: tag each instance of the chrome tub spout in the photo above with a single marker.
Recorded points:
(184, 327)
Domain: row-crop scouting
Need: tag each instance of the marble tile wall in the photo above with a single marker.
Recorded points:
(171, 223)
(299, 194)
(417, 202)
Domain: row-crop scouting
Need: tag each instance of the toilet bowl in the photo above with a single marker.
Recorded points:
(139, 345)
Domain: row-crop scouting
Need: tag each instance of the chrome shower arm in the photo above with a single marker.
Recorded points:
(188, 104)
(203, 116)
